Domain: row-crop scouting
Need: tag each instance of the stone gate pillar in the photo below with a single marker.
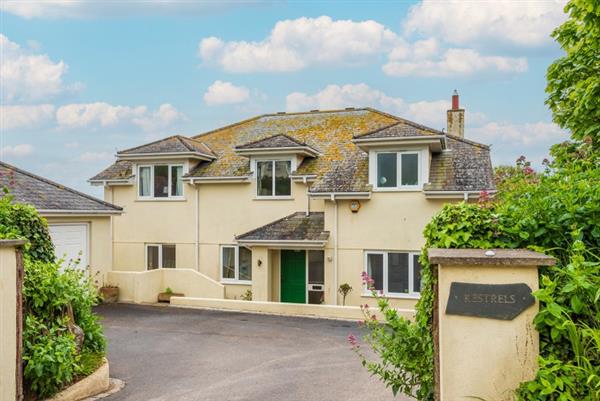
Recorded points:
(485, 341)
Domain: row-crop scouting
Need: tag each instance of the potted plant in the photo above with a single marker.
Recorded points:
(109, 293)
(344, 290)
(166, 296)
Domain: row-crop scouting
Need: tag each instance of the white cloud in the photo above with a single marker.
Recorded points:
(162, 118)
(72, 145)
(21, 150)
(522, 23)
(430, 113)
(295, 44)
(104, 115)
(453, 62)
(25, 76)
(94, 8)
(96, 156)
(221, 92)
(519, 135)
(23, 117)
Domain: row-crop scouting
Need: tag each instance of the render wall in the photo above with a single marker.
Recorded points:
(8, 322)
(388, 221)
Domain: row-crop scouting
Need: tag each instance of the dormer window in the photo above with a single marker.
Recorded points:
(160, 181)
(273, 178)
(397, 170)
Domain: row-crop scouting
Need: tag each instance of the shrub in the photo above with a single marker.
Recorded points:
(20, 221)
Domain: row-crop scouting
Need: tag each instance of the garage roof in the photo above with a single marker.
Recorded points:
(49, 197)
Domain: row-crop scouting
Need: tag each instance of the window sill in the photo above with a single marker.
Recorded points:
(408, 189)
(273, 198)
(393, 296)
(236, 282)
(160, 200)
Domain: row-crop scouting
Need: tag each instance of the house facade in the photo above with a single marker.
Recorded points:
(292, 205)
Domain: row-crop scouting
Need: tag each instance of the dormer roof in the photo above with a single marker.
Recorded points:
(173, 146)
(402, 133)
(276, 144)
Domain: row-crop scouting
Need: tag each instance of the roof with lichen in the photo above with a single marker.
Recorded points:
(49, 196)
(296, 227)
(172, 144)
(341, 165)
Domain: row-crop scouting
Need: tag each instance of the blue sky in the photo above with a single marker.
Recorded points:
(82, 79)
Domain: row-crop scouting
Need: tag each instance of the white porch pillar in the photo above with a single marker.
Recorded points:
(261, 274)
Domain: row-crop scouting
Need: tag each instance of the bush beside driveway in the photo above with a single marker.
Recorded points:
(167, 353)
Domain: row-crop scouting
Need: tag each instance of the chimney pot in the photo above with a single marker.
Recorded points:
(455, 100)
(456, 118)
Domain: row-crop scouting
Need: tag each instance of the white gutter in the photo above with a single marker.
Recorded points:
(340, 195)
(197, 247)
(56, 212)
(216, 180)
(455, 194)
(125, 181)
(285, 244)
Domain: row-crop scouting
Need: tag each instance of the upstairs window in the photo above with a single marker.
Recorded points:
(273, 178)
(397, 170)
(160, 181)
(394, 273)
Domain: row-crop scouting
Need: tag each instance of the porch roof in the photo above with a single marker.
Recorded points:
(296, 229)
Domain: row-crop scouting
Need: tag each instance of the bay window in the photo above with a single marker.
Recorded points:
(236, 264)
(273, 178)
(394, 273)
(397, 170)
(160, 181)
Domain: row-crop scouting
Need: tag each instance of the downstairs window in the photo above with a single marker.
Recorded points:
(236, 264)
(394, 273)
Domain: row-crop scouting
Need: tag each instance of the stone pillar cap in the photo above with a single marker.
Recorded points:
(5, 243)
(496, 257)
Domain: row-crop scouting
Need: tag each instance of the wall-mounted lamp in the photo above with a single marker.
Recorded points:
(354, 206)
(259, 262)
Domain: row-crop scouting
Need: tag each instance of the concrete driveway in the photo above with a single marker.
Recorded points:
(165, 353)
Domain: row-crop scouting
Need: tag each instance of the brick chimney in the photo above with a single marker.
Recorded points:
(456, 118)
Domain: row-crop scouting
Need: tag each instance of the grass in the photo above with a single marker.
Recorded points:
(90, 362)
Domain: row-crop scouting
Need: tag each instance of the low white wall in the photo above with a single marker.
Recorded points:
(324, 311)
(144, 287)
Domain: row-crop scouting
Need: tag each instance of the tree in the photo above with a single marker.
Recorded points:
(573, 81)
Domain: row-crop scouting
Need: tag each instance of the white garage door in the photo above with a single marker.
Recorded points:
(69, 240)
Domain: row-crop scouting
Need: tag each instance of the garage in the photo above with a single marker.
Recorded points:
(69, 241)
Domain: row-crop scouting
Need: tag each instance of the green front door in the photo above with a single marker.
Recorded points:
(293, 276)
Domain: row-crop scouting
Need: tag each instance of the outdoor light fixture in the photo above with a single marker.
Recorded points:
(259, 262)
(354, 205)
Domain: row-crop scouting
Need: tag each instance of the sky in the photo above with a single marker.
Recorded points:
(81, 79)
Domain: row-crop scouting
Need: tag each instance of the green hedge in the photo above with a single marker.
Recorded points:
(50, 354)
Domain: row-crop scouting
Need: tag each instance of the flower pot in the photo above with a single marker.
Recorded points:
(166, 296)
(109, 295)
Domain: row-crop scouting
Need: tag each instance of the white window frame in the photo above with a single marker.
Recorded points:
(254, 169)
(235, 280)
(160, 256)
(422, 172)
(170, 181)
(412, 294)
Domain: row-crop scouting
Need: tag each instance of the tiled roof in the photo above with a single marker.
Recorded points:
(47, 195)
(341, 165)
(172, 144)
(120, 170)
(275, 141)
(403, 128)
(295, 227)
(329, 131)
(464, 166)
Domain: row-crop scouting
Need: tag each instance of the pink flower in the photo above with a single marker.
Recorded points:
(528, 170)
(352, 339)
